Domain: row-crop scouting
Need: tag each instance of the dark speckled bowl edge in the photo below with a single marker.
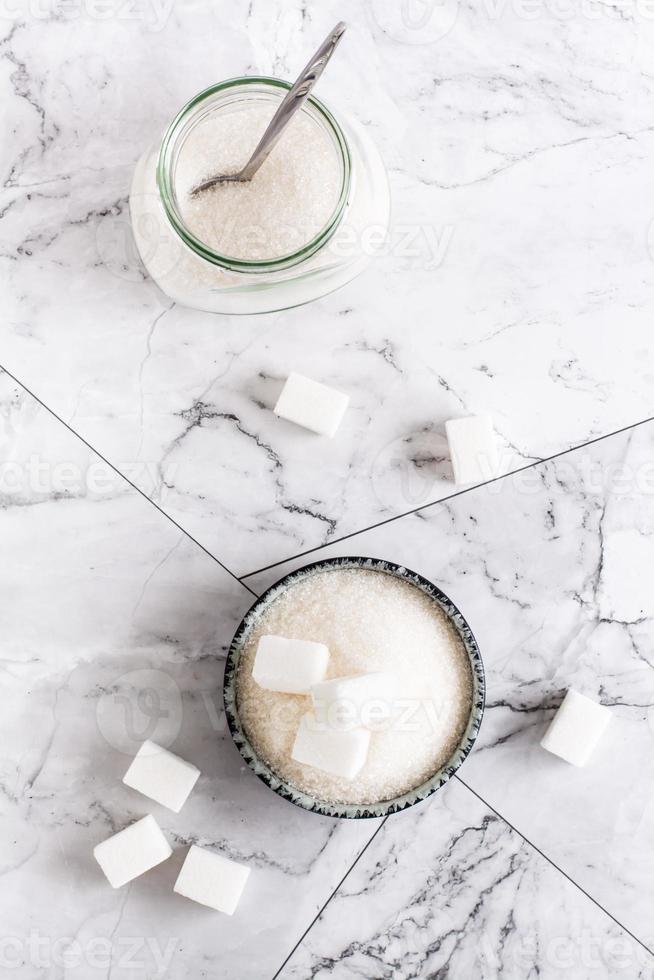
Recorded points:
(351, 810)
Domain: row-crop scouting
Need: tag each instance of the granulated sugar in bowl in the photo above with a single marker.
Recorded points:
(376, 618)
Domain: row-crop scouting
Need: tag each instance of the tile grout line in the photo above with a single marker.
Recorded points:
(352, 534)
(390, 520)
(515, 830)
(554, 865)
(451, 496)
(324, 906)
(236, 578)
(127, 480)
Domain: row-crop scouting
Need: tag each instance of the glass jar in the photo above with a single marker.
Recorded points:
(189, 272)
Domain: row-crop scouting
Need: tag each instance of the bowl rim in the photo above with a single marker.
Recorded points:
(355, 810)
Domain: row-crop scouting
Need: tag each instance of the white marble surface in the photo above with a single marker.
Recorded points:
(114, 627)
(520, 281)
(454, 892)
(551, 568)
(519, 153)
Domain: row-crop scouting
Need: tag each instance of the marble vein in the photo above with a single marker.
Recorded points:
(461, 895)
(517, 278)
(115, 627)
(551, 570)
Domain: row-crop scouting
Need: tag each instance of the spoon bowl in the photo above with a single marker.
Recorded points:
(293, 101)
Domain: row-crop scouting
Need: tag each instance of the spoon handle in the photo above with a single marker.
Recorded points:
(293, 100)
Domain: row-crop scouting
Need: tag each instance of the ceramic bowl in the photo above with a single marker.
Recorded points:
(351, 810)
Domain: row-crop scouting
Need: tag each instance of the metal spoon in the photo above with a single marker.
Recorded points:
(292, 102)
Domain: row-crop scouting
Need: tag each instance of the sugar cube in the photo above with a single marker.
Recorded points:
(312, 405)
(472, 448)
(576, 728)
(352, 702)
(161, 775)
(132, 851)
(212, 880)
(340, 753)
(291, 666)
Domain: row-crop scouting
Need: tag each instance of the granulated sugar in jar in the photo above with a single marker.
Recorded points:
(283, 207)
(304, 225)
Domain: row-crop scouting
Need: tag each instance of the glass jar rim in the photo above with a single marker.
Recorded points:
(167, 195)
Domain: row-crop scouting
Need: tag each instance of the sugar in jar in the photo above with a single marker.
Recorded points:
(301, 227)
